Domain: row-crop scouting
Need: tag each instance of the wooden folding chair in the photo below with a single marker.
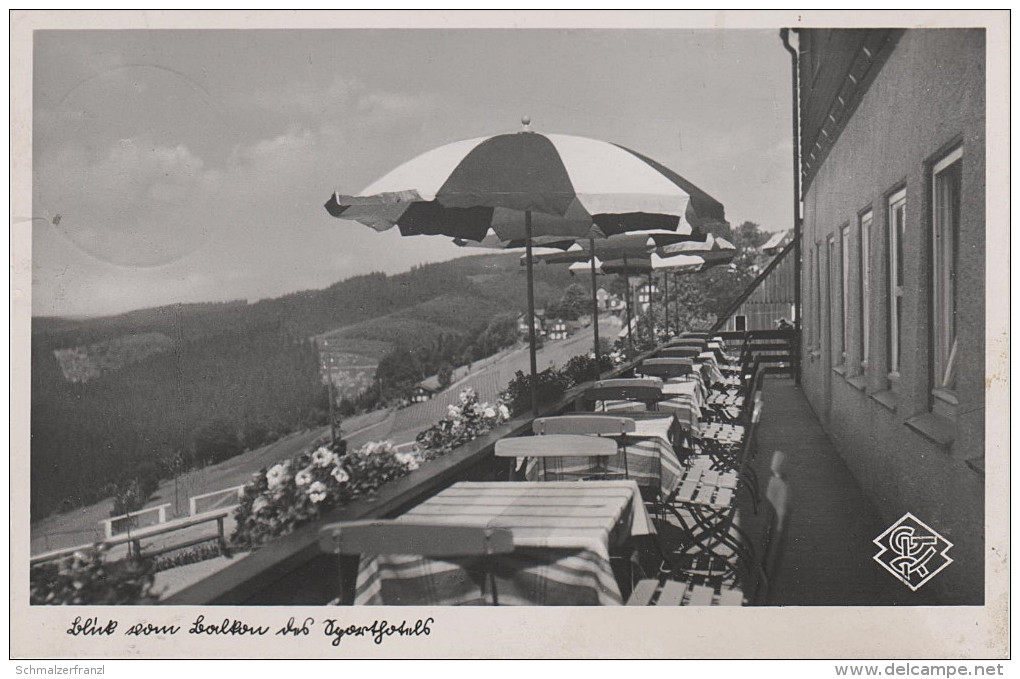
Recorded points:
(667, 368)
(680, 593)
(646, 390)
(412, 536)
(552, 446)
(774, 542)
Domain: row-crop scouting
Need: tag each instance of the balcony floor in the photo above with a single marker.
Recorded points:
(829, 549)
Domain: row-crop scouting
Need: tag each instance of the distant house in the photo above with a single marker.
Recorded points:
(522, 324)
(558, 329)
(645, 294)
(420, 394)
(426, 389)
(777, 242)
(774, 298)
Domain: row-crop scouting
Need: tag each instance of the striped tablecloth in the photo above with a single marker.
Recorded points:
(650, 458)
(708, 358)
(563, 534)
(685, 399)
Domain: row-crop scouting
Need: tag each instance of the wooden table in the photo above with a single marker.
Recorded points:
(563, 533)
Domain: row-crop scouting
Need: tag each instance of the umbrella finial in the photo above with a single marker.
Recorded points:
(526, 124)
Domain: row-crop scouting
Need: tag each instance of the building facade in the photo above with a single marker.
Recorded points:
(892, 148)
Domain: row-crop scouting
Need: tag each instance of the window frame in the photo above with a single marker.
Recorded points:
(835, 358)
(943, 279)
(818, 296)
(865, 221)
(897, 230)
(844, 291)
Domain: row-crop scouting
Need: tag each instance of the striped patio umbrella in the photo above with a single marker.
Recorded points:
(525, 185)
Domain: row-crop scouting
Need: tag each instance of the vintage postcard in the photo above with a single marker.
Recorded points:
(671, 334)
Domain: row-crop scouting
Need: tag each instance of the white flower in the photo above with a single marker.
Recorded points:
(341, 475)
(303, 477)
(453, 412)
(324, 457)
(277, 475)
(259, 504)
(317, 492)
(467, 395)
(504, 412)
(408, 460)
(489, 412)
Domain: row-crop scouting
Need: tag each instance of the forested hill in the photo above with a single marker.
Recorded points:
(498, 278)
(128, 397)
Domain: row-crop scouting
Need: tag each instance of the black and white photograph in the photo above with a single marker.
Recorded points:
(335, 329)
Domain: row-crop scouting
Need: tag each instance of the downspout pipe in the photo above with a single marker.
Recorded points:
(784, 35)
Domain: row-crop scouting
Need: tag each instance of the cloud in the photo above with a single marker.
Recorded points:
(340, 98)
(131, 204)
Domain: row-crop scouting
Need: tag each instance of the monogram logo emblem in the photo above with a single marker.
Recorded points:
(912, 551)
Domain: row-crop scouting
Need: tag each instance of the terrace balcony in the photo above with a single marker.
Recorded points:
(826, 561)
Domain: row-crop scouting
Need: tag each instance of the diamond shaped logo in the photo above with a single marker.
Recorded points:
(912, 551)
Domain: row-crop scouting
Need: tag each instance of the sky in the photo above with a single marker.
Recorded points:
(190, 166)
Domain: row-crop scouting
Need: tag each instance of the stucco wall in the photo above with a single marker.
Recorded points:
(929, 95)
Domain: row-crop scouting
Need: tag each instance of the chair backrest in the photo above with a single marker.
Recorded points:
(754, 380)
(688, 342)
(667, 367)
(408, 536)
(679, 352)
(778, 496)
(647, 389)
(556, 445)
(424, 538)
(597, 425)
(778, 460)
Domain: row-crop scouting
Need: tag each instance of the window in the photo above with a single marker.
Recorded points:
(844, 292)
(865, 288)
(946, 184)
(835, 335)
(741, 323)
(897, 226)
(818, 295)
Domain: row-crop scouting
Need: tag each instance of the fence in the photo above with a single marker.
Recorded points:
(134, 538)
(116, 525)
(219, 499)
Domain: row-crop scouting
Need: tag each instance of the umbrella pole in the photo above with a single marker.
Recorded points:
(651, 310)
(626, 290)
(531, 315)
(665, 299)
(595, 310)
